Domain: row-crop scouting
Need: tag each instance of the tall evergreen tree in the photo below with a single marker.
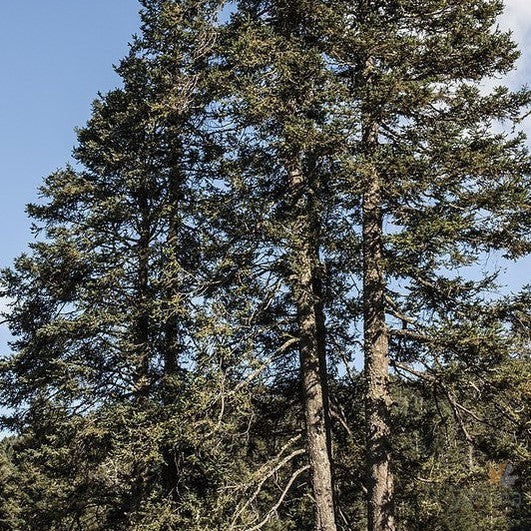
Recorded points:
(104, 307)
(272, 177)
(441, 189)
(281, 93)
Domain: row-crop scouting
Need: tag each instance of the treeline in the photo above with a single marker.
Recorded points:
(255, 300)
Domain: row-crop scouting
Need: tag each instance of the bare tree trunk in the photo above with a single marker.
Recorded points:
(378, 400)
(308, 295)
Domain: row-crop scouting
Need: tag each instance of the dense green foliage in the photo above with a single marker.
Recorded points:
(159, 319)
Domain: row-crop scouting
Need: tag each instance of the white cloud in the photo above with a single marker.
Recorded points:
(4, 307)
(5, 336)
(517, 17)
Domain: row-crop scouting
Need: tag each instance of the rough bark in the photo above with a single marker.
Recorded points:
(378, 400)
(172, 351)
(308, 296)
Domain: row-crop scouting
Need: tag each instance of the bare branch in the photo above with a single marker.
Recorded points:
(273, 510)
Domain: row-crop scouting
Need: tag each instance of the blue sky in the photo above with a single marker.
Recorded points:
(55, 55)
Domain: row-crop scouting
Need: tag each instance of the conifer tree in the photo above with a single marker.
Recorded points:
(272, 177)
(441, 189)
(103, 311)
(281, 92)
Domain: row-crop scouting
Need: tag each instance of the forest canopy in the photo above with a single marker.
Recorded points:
(249, 303)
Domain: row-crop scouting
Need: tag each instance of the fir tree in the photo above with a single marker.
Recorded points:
(280, 93)
(440, 190)
(107, 335)
(271, 178)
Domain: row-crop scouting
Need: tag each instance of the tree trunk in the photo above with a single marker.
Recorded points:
(142, 349)
(141, 332)
(378, 399)
(172, 351)
(308, 296)
(172, 326)
(173, 288)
